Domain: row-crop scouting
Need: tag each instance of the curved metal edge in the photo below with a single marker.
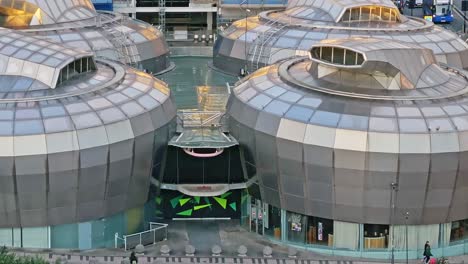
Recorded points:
(118, 77)
(283, 73)
(69, 25)
(264, 16)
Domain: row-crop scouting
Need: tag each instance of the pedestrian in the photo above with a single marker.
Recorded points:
(133, 258)
(427, 252)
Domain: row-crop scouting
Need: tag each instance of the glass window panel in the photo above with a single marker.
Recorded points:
(277, 107)
(325, 118)
(275, 91)
(326, 54)
(28, 127)
(365, 13)
(148, 102)
(454, 109)
(287, 42)
(360, 59)
(355, 12)
(6, 114)
(111, 115)
(442, 125)
(77, 108)
(6, 128)
(338, 56)
(383, 124)
(412, 125)
(58, 124)
(386, 14)
(354, 122)
(132, 108)
(290, 97)
(311, 102)
(295, 33)
(346, 16)
(27, 113)
(408, 112)
(350, 58)
(86, 120)
(260, 101)
(299, 113)
(432, 111)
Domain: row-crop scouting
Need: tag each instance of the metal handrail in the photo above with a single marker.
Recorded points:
(427, 24)
(158, 226)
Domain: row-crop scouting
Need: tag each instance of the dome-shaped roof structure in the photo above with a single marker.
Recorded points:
(328, 134)
(25, 13)
(77, 24)
(275, 35)
(78, 135)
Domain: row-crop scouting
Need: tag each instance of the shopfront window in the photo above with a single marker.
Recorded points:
(297, 224)
(319, 231)
(272, 221)
(459, 230)
(375, 236)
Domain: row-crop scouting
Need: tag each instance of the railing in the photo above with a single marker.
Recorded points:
(156, 233)
(195, 118)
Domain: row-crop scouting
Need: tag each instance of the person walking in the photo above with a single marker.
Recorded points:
(427, 252)
(133, 258)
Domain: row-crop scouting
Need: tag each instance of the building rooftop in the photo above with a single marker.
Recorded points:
(25, 13)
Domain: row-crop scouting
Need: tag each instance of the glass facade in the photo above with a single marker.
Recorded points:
(352, 239)
(85, 235)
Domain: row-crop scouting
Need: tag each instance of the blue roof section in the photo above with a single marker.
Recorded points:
(106, 5)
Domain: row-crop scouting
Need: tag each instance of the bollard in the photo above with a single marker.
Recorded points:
(216, 251)
(140, 249)
(242, 251)
(267, 251)
(292, 253)
(189, 251)
(165, 250)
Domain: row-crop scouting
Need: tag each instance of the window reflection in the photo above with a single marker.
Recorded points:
(75, 68)
(370, 13)
(337, 56)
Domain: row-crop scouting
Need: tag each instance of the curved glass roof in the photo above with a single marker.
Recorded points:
(25, 13)
(355, 10)
(39, 60)
(276, 35)
(291, 90)
(378, 58)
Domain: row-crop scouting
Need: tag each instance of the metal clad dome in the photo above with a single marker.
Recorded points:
(330, 148)
(81, 150)
(23, 13)
(275, 35)
(76, 24)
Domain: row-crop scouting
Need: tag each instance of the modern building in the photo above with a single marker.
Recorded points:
(353, 143)
(274, 35)
(77, 24)
(182, 19)
(80, 139)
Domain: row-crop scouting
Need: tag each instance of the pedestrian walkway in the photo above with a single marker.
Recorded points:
(203, 235)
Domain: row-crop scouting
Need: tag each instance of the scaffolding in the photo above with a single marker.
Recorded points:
(162, 16)
(126, 49)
